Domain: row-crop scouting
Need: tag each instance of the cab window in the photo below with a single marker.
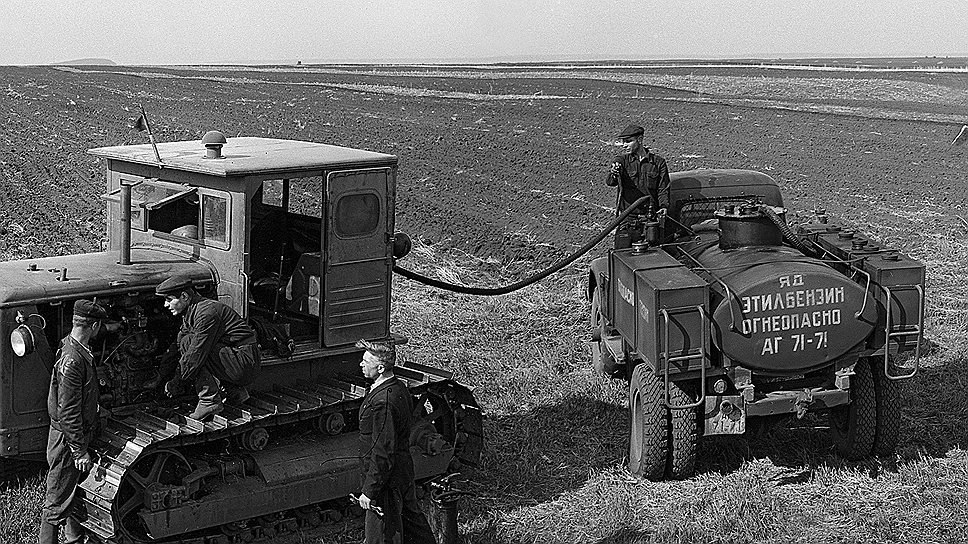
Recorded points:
(193, 214)
(357, 215)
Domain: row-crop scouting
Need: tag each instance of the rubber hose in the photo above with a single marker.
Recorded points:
(786, 231)
(487, 291)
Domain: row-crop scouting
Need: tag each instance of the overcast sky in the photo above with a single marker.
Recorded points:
(201, 32)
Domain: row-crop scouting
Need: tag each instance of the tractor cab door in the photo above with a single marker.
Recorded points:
(357, 257)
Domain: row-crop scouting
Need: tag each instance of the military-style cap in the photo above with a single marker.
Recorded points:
(174, 285)
(89, 309)
(632, 131)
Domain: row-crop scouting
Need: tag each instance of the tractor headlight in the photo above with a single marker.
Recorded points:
(22, 341)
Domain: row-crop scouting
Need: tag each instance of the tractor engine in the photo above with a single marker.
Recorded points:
(131, 355)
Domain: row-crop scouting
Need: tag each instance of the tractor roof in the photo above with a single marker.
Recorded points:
(92, 274)
(245, 155)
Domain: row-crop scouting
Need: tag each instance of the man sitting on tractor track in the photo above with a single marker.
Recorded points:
(72, 405)
(637, 172)
(217, 348)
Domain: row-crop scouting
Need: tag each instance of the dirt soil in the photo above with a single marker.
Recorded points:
(497, 166)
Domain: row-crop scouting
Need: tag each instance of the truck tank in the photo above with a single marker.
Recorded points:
(297, 237)
(773, 307)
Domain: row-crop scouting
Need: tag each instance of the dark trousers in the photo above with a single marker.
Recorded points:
(62, 483)
(402, 523)
(208, 386)
(228, 368)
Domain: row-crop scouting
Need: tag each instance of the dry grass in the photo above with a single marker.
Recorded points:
(553, 469)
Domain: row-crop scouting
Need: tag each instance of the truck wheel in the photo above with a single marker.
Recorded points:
(648, 436)
(601, 357)
(682, 461)
(888, 397)
(595, 320)
(853, 426)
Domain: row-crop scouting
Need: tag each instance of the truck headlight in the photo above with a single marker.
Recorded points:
(22, 341)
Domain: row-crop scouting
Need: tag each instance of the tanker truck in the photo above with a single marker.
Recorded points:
(727, 314)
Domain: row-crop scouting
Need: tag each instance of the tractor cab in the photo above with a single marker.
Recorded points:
(294, 233)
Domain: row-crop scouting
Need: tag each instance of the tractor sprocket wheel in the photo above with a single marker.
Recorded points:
(853, 426)
(649, 429)
(682, 458)
(888, 395)
(166, 467)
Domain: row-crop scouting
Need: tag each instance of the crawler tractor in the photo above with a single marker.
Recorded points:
(726, 314)
(299, 238)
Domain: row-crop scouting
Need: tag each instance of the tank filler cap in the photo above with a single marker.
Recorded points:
(638, 248)
(213, 141)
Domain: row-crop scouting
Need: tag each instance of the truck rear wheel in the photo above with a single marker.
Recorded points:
(649, 429)
(887, 393)
(853, 426)
(601, 358)
(682, 458)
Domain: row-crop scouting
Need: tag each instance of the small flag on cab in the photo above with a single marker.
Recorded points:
(141, 125)
(961, 138)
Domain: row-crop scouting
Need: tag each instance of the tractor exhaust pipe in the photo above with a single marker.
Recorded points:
(125, 224)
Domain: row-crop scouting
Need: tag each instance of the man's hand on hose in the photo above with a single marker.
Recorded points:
(661, 212)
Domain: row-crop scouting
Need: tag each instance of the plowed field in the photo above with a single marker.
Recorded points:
(507, 165)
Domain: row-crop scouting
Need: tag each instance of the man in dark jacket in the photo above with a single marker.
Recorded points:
(387, 468)
(217, 348)
(638, 172)
(73, 410)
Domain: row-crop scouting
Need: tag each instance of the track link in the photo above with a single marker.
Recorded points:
(150, 431)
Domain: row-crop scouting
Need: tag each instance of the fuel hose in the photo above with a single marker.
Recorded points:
(494, 291)
(788, 234)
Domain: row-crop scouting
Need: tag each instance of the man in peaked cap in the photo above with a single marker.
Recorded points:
(217, 348)
(637, 172)
(72, 405)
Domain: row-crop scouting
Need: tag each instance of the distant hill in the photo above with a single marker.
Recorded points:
(86, 62)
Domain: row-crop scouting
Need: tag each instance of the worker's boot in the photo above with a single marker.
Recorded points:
(73, 532)
(205, 411)
(236, 394)
(48, 533)
(209, 395)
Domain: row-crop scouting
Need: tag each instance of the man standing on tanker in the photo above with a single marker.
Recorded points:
(217, 348)
(72, 405)
(387, 468)
(637, 172)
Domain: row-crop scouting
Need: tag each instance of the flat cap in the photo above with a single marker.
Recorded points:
(89, 309)
(631, 131)
(174, 285)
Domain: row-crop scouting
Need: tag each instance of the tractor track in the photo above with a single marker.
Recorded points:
(116, 497)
